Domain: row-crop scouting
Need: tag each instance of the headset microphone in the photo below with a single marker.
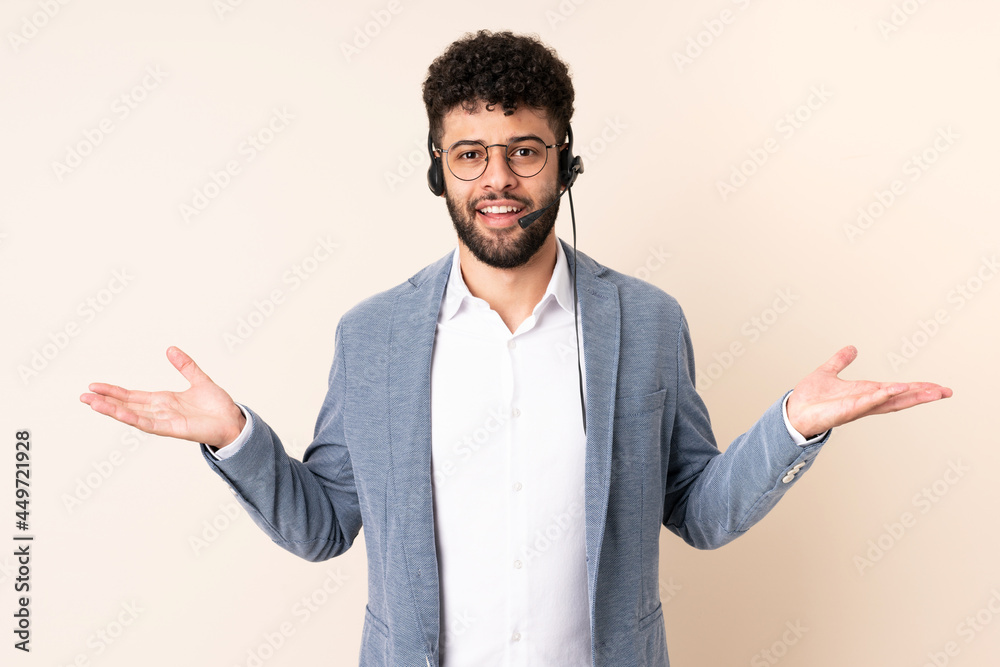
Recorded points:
(535, 215)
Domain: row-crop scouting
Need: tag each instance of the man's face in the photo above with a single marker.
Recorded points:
(481, 209)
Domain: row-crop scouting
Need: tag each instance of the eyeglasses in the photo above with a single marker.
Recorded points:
(467, 160)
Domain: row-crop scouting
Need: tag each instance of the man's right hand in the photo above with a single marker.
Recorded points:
(202, 413)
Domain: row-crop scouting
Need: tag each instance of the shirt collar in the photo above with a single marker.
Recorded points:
(456, 293)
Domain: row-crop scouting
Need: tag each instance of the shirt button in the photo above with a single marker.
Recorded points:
(511, 344)
(517, 486)
(517, 565)
(516, 412)
(516, 637)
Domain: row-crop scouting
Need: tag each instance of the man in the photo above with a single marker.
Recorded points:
(505, 522)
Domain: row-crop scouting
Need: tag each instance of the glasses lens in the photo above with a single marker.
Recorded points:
(467, 160)
(527, 157)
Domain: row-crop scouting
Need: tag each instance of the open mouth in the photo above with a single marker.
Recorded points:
(500, 215)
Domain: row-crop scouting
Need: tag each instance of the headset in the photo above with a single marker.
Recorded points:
(570, 166)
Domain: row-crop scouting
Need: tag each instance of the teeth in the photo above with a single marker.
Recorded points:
(500, 209)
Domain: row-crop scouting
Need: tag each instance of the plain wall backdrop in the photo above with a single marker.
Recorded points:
(799, 175)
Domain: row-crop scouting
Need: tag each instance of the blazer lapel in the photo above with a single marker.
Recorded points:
(601, 319)
(413, 326)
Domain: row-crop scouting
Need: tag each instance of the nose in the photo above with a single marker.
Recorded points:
(498, 175)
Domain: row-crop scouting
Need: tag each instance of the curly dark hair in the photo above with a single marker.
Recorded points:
(499, 68)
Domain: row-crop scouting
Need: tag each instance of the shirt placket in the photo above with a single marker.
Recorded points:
(517, 508)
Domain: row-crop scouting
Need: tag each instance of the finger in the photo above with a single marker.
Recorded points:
(108, 390)
(185, 364)
(116, 411)
(115, 393)
(923, 390)
(932, 387)
(908, 399)
(839, 361)
(138, 408)
(870, 401)
(899, 393)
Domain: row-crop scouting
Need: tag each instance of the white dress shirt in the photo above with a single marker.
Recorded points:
(507, 456)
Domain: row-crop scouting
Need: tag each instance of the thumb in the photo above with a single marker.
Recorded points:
(185, 364)
(840, 360)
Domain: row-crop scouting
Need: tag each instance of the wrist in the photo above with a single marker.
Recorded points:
(236, 425)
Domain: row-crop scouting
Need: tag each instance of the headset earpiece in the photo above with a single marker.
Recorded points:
(570, 166)
(435, 173)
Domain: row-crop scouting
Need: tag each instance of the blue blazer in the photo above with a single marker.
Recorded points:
(651, 461)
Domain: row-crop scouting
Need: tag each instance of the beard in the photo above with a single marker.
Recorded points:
(502, 248)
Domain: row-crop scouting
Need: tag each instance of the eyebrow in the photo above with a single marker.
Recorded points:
(512, 140)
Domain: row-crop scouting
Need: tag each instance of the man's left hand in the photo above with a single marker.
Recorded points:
(822, 400)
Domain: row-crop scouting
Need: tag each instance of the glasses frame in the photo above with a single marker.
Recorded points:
(506, 157)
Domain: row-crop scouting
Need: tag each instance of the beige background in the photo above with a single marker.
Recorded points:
(658, 137)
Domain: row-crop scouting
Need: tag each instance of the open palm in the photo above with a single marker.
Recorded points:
(822, 400)
(202, 413)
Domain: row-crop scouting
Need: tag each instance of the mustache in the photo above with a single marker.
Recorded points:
(523, 201)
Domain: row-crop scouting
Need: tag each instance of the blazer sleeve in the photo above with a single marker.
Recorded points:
(309, 507)
(711, 497)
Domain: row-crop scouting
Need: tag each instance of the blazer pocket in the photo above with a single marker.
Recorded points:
(636, 406)
(374, 641)
(652, 639)
(635, 453)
